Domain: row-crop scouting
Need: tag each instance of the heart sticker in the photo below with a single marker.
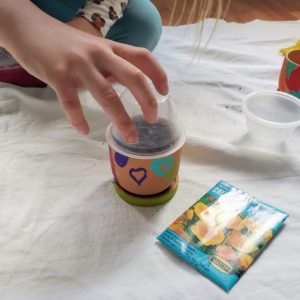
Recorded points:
(138, 175)
(121, 160)
(162, 166)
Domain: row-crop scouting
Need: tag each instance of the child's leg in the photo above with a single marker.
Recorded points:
(139, 26)
(63, 10)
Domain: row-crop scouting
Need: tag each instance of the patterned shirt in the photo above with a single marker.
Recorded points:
(103, 13)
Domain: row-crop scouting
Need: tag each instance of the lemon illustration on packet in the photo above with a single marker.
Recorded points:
(223, 233)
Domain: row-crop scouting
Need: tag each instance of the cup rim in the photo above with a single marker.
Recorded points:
(115, 147)
(288, 58)
(262, 121)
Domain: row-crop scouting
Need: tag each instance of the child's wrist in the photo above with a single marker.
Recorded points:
(84, 25)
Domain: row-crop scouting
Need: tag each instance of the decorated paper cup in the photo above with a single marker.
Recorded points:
(146, 173)
(289, 80)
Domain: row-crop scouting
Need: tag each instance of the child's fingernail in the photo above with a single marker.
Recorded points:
(165, 89)
(153, 117)
(132, 138)
(83, 130)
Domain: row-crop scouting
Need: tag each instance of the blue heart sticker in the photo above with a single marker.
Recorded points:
(162, 166)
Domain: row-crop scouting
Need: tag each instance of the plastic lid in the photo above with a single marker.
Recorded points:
(156, 138)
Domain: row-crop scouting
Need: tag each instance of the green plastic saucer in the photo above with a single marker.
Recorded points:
(147, 201)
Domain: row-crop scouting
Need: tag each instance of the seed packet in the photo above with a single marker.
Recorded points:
(222, 234)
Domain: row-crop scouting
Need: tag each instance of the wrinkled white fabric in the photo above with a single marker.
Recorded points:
(64, 234)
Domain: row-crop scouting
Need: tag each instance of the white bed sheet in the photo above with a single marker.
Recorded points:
(64, 234)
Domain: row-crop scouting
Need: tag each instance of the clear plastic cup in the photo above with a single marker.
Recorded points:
(151, 166)
(154, 139)
(271, 116)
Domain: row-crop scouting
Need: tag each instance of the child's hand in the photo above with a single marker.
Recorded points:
(68, 59)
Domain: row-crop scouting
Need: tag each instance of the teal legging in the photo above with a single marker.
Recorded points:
(139, 26)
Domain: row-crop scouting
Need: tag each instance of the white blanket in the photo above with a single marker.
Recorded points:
(64, 234)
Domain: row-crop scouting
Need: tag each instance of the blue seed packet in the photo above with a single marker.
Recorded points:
(222, 234)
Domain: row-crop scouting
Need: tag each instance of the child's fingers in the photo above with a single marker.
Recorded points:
(70, 102)
(111, 79)
(106, 96)
(134, 79)
(144, 60)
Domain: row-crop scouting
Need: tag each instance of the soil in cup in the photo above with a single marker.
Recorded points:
(153, 138)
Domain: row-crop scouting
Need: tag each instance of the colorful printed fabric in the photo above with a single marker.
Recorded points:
(223, 233)
(103, 13)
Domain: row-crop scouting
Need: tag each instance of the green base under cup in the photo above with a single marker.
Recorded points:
(147, 201)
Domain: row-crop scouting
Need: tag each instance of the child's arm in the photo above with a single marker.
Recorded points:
(68, 59)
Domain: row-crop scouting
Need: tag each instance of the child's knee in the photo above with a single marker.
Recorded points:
(140, 25)
(152, 29)
(62, 10)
